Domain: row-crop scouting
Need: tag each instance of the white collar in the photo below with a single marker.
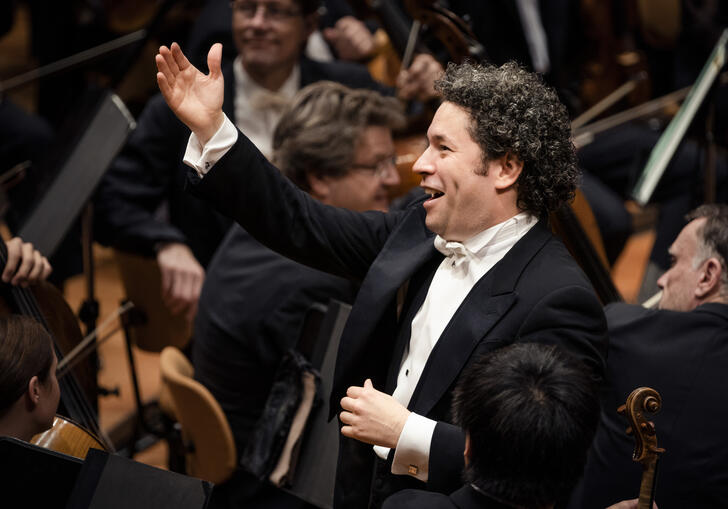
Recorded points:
(247, 87)
(509, 229)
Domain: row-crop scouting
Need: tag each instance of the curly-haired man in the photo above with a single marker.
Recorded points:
(470, 268)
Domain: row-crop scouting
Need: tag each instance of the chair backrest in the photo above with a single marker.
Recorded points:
(143, 286)
(316, 469)
(212, 455)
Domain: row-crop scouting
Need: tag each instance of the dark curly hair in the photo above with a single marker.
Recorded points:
(513, 111)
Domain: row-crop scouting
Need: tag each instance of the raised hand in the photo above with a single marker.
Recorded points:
(194, 97)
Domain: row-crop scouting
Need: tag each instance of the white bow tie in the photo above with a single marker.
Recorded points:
(455, 251)
(266, 100)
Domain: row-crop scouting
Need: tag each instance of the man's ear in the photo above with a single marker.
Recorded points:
(710, 278)
(319, 186)
(507, 169)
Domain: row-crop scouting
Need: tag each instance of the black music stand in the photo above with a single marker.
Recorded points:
(69, 193)
(316, 469)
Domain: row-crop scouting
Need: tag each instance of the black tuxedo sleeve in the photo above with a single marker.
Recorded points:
(246, 187)
(138, 182)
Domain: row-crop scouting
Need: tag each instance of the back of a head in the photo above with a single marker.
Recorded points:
(713, 237)
(319, 132)
(25, 351)
(531, 413)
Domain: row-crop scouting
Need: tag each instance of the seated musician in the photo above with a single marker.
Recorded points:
(335, 143)
(29, 392)
(529, 412)
(680, 350)
(28, 387)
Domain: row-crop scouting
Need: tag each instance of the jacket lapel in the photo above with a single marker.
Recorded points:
(488, 301)
(362, 348)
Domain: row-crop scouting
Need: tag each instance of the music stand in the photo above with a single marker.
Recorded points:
(80, 173)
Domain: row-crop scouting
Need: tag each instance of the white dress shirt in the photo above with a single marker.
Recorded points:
(257, 109)
(453, 280)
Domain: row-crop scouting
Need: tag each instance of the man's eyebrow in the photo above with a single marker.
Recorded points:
(441, 138)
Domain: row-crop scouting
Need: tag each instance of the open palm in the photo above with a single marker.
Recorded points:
(194, 97)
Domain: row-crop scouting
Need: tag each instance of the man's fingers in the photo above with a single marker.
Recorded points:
(348, 403)
(368, 383)
(347, 417)
(348, 431)
(354, 391)
(214, 59)
(179, 58)
(163, 67)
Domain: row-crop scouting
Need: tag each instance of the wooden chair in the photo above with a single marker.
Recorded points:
(211, 453)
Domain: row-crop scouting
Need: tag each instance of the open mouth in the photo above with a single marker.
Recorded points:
(433, 194)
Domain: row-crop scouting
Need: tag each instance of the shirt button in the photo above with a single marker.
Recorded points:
(406, 372)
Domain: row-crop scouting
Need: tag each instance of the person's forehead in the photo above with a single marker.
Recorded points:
(450, 122)
(687, 240)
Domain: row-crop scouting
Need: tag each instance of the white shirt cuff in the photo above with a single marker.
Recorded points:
(203, 158)
(412, 455)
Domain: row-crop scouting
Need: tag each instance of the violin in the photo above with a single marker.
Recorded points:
(640, 402)
(76, 398)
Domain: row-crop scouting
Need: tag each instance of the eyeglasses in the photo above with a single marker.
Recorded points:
(380, 169)
(271, 11)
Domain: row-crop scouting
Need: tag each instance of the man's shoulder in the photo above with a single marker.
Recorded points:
(548, 262)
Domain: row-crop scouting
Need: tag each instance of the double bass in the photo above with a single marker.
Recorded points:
(77, 429)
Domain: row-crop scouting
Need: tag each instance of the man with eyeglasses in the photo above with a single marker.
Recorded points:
(336, 144)
(141, 206)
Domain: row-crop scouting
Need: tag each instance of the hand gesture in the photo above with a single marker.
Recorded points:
(25, 264)
(194, 97)
(182, 278)
(372, 416)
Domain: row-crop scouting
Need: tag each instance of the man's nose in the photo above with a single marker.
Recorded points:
(260, 17)
(423, 164)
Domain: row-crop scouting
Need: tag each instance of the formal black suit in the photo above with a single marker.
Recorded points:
(684, 357)
(150, 172)
(535, 293)
(464, 498)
